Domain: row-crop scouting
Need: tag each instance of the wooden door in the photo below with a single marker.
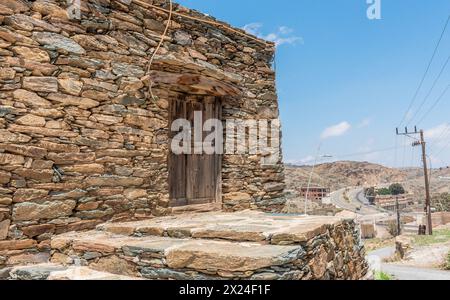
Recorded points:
(194, 178)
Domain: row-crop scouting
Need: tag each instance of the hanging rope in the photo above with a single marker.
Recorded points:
(152, 58)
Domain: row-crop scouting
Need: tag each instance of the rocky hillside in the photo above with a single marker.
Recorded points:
(415, 182)
(343, 174)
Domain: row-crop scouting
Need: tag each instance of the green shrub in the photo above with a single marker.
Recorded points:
(382, 276)
(397, 189)
(384, 192)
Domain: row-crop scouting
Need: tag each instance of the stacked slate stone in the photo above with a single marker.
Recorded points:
(81, 141)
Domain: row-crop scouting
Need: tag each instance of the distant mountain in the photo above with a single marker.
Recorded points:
(343, 174)
(439, 182)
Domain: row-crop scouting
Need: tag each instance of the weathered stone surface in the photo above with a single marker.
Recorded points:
(31, 98)
(5, 177)
(11, 159)
(113, 181)
(57, 147)
(17, 6)
(38, 272)
(85, 169)
(70, 86)
(41, 164)
(115, 265)
(5, 10)
(31, 120)
(89, 42)
(133, 194)
(121, 153)
(58, 41)
(37, 175)
(42, 131)
(48, 210)
(85, 273)
(157, 257)
(71, 158)
(34, 54)
(37, 68)
(130, 84)
(183, 38)
(8, 137)
(67, 100)
(4, 227)
(229, 257)
(29, 258)
(24, 150)
(35, 230)
(125, 69)
(154, 25)
(106, 119)
(7, 73)
(17, 244)
(41, 84)
(24, 195)
(4, 201)
(48, 8)
(237, 197)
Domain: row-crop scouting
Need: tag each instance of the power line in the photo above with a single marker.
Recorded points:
(434, 105)
(431, 89)
(447, 144)
(368, 152)
(442, 136)
(443, 149)
(425, 74)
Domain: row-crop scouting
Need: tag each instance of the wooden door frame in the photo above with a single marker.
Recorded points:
(218, 200)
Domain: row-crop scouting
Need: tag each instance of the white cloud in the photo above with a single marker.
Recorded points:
(306, 160)
(336, 130)
(439, 134)
(282, 36)
(253, 28)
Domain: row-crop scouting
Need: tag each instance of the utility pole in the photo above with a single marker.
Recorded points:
(422, 143)
(310, 178)
(399, 224)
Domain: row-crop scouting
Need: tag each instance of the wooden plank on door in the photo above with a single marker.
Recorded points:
(177, 163)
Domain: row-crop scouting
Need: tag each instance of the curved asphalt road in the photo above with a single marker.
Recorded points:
(356, 201)
(400, 272)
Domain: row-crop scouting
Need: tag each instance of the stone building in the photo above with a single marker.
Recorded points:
(82, 141)
(315, 194)
(85, 136)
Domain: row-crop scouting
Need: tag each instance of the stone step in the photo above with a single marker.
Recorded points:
(247, 226)
(218, 245)
(169, 258)
(59, 272)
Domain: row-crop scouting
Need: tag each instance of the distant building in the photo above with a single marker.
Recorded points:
(315, 194)
(388, 202)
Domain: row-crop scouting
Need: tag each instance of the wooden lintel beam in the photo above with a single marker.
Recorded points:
(195, 82)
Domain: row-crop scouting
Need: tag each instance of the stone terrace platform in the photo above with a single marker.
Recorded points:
(243, 245)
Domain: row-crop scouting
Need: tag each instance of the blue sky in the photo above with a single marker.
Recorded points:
(346, 81)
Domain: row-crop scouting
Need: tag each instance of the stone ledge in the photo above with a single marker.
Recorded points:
(242, 226)
(243, 245)
(200, 255)
(58, 272)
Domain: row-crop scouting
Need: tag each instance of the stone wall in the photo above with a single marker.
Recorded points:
(439, 218)
(81, 140)
(329, 251)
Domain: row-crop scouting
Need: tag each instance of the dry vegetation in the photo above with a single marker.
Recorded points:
(343, 174)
